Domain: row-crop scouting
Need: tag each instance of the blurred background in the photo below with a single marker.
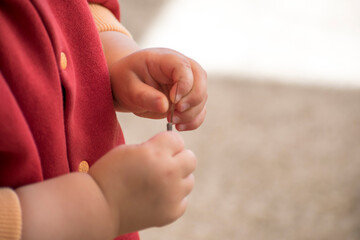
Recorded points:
(279, 152)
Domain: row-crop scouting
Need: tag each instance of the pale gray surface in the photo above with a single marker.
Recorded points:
(275, 161)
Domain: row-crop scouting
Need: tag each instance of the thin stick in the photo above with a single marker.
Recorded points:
(172, 109)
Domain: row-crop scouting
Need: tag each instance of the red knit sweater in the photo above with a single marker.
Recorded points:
(56, 106)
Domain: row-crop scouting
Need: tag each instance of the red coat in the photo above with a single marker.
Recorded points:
(56, 106)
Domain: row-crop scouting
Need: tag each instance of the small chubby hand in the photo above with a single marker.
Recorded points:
(146, 185)
(145, 83)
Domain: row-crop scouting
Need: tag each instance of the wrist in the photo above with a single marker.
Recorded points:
(117, 45)
(50, 204)
(108, 177)
(108, 222)
(112, 220)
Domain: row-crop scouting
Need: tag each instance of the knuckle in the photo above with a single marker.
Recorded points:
(192, 180)
(201, 117)
(192, 159)
(190, 184)
(196, 123)
(186, 63)
(203, 74)
(206, 97)
(198, 96)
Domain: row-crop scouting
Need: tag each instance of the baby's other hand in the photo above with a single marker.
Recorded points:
(146, 185)
(146, 81)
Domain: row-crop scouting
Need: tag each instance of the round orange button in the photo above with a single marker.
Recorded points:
(63, 61)
(83, 167)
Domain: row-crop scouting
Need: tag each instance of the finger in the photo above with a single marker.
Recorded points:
(169, 141)
(171, 67)
(198, 91)
(186, 161)
(188, 184)
(184, 80)
(190, 114)
(195, 123)
(181, 208)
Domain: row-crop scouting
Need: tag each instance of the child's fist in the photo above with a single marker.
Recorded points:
(146, 185)
(145, 83)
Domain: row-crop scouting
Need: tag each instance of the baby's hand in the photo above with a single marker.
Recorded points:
(146, 185)
(145, 83)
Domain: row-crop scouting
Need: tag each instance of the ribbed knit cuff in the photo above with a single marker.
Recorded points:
(105, 20)
(10, 215)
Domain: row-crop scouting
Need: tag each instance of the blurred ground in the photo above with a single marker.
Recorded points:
(276, 160)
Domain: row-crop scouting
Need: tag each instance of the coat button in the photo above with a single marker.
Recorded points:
(63, 61)
(83, 167)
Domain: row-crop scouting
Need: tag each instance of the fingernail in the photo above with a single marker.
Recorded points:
(181, 127)
(184, 107)
(176, 119)
(177, 98)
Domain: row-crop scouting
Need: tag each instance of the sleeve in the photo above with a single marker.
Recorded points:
(112, 5)
(10, 215)
(105, 20)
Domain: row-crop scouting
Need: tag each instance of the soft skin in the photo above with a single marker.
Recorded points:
(132, 187)
(143, 81)
(152, 181)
